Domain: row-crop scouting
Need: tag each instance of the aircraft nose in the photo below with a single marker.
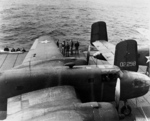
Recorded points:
(139, 79)
(134, 84)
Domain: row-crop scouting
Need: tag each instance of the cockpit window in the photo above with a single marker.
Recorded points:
(109, 77)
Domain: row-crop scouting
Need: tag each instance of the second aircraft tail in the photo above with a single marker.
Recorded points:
(126, 55)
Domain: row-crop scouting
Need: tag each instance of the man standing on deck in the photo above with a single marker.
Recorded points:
(6, 49)
(67, 49)
(77, 47)
(57, 43)
(64, 48)
(71, 46)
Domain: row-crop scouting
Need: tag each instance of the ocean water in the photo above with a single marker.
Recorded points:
(21, 22)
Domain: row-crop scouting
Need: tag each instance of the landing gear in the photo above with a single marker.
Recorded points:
(126, 109)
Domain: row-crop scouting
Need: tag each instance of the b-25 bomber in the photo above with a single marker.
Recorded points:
(45, 67)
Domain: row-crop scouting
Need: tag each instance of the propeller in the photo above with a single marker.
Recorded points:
(117, 93)
(88, 54)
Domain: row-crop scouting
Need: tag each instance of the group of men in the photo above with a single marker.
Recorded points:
(67, 48)
(14, 50)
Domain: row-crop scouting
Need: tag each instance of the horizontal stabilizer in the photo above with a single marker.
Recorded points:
(126, 55)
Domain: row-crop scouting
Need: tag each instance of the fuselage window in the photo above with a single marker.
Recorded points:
(109, 77)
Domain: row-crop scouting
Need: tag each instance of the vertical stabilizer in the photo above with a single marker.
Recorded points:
(126, 55)
(98, 31)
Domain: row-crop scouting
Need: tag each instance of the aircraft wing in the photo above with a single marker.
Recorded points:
(44, 48)
(106, 49)
(51, 104)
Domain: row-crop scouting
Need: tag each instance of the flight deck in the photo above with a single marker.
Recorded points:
(140, 106)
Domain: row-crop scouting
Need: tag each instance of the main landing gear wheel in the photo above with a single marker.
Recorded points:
(126, 110)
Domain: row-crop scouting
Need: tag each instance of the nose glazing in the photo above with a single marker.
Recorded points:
(141, 80)
(136, 78)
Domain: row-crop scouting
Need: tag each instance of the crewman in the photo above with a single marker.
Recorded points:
(13, 50)
(23, 50)
(18, 49)
(71, 46)
(67, 49)
(64, 48)
(57, 43)
(77, 47)
(6, 49)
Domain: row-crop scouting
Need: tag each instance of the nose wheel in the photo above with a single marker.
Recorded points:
(126, 109)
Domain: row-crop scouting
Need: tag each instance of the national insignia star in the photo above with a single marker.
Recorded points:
(148, 59)
(44, 42)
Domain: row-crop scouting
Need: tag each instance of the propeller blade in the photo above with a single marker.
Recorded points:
(117, 93)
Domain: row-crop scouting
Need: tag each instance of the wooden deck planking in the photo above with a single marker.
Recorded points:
(142, 69)
(2, 59)
(138, 114)
(9, 61)
(20, 58)
(141, 107)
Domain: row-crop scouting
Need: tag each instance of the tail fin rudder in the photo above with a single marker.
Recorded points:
(126, 55)
(98, 31)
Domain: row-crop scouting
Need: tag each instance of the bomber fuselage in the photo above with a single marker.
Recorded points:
(91, 83)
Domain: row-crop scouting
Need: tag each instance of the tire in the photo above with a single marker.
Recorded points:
(126, 110)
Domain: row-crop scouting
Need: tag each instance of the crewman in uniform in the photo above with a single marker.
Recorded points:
(57, 43)
(23, 50)
(18, 49)
(77, 47)
(6, 49)
(64, 48)
(67, 49)
(71, 46)
(13, 50)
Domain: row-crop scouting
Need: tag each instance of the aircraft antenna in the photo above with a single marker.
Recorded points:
(30, 62)
(136, 102)
(30, 66)
(96, 62)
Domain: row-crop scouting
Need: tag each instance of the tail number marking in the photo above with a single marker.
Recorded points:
(128, 64)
